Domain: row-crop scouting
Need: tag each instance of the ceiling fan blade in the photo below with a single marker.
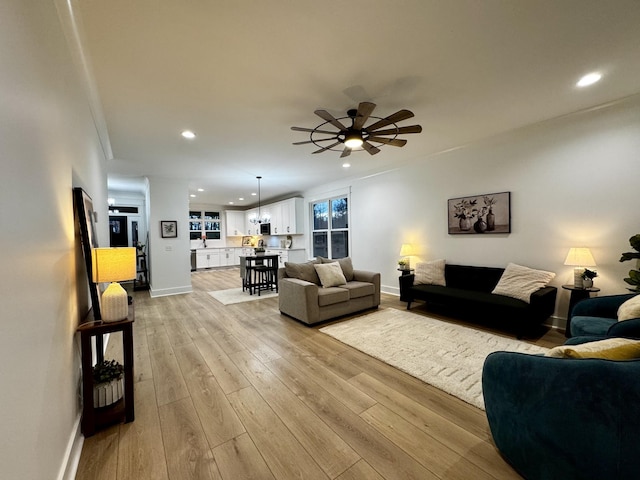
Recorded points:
(399, 130)
(370, 148)
(388, 141)
(327, 148)
(323, 114)
(364, 110)
(393, 118)
(346, 152)
(302, 129)
(314, 141)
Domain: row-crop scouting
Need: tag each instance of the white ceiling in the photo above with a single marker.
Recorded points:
(241, 73)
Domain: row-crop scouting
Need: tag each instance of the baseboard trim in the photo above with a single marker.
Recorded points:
(164, 292)
(72, 453)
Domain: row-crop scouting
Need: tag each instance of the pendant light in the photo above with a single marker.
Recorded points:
(259, 216)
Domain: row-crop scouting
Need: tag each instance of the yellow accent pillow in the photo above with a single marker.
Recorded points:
(610, 349)
(629, 309)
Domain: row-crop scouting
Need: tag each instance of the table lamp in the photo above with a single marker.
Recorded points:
(579, 257)
(113, 265)
(406, 251)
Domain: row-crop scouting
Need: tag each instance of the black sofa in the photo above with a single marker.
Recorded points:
(468, 294)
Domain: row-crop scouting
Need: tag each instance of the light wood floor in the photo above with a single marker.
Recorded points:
(242, 392)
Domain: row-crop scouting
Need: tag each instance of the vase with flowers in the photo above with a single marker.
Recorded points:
(465, 210)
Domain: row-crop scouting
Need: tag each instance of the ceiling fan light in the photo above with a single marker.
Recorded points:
(353, 140)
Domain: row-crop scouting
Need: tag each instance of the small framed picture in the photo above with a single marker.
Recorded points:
(169, 228)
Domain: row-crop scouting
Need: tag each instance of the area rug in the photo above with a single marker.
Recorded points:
(236, 295)
(448, 356)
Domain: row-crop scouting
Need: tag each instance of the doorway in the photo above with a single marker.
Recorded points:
(118, 231)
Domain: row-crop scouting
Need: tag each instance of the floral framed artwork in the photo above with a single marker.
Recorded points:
(480, 214)
(169, 228)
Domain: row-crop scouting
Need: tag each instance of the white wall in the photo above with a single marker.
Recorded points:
(48, 145)
(170, 261)
(573, 182)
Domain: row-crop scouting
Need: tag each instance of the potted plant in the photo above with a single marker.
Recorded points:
(634, 275)
(107, 383)
(587, 277)
(403, 264)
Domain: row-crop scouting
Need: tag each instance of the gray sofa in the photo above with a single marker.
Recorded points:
(302, 296)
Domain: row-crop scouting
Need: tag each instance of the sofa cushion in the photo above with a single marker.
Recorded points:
(590, 326)
(520, 282)
(359, 289)
(330, 274)
(462, 298)
(302, 271)
(331, 295)
(345, 264)
(629, 309)
(610, 349)
(430, 273)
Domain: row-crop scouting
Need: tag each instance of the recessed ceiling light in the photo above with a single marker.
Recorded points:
(346, 165)
(192, 196)
(253, 194)
(589, 79)
(230, 203)
(188, 134)
(201, 189)
(241, 199)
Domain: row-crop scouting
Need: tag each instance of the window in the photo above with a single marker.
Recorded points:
(330, 232)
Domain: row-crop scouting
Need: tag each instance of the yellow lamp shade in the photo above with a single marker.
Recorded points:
(113, 264)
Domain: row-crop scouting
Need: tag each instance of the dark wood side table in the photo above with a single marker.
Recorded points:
(406, 271)
(96, 418)
(577, 294)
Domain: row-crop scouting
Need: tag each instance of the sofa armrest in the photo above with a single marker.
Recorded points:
(370, 277)
(299, 299)
(543, 301)
(556, 418)
(627, 329)
(606, 307)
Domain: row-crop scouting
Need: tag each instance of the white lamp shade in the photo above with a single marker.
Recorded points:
(113, 264)
(580, 257)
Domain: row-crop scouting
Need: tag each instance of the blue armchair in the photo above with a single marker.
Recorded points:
(598, 318)
(556, 418)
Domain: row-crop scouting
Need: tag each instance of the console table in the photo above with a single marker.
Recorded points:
(96, 418)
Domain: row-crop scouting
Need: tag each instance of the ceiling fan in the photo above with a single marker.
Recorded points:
(358, 135)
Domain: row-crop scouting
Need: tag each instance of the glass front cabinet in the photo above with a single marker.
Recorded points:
(204, 224)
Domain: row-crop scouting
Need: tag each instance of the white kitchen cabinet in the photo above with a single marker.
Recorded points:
(289, 217)
(207, 258)
(250, 227)
(227, 257)
(297, 255)
(236, 224)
